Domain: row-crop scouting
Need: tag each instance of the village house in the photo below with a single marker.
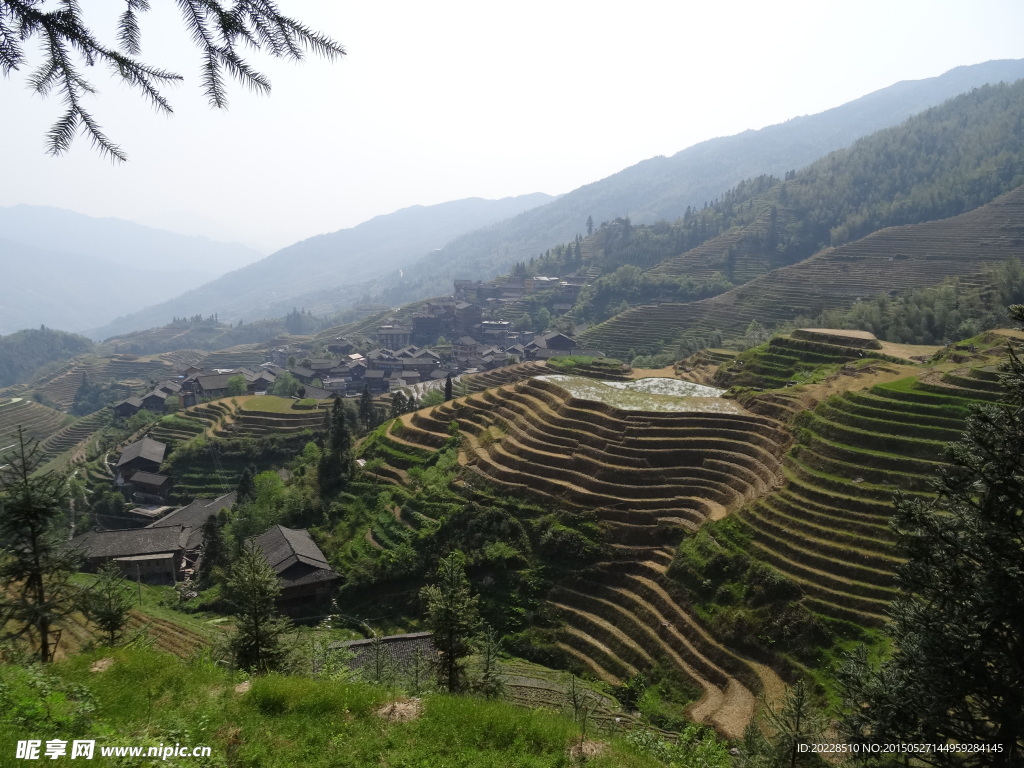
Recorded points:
(305, 575)
(155, 401)
(153, 555)
(394, 336)
(148, 487)
(212, 386)
(128, 408)
(145, 455)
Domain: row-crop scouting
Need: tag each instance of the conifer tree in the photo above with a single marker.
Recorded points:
(246, 488)
(398, 405)
(35, 564)
(219, 31)
(253, 588)
(108, 602)
(956, 674)
(367, 413)
(216, 553)
(448, 388)
(335, 466)
(452, 615)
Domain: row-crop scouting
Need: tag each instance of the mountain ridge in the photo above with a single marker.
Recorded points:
(382, 243)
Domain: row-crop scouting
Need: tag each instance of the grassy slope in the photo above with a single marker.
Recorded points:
(148, 698)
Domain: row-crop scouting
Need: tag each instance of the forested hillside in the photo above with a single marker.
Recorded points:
(22, 354)
(431, 246)
(946, 161)
(663, 188)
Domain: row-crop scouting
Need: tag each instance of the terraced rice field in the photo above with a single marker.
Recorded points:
(61, 387)
(894, 259)
(478, 382)
(788, 360)
(244, 355)
(827, 529)
(39, 421)
(743, 247)
(645, 474)
(269, 415)
(74, 433)
(218, 469)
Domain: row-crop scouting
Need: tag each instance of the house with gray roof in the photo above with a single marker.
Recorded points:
(153, 555)
(145, 455)
(306, 576)
(195, 514)
(128, 407)
(215, 385)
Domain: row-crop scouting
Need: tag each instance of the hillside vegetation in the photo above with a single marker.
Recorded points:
(148, 699)
(895, 259)
(937, 165)
(25, 353)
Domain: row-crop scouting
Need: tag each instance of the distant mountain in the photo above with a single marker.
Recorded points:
(663, 187)
(336, 262)
(335, 272)
(903, 208)
(74, 291)
(122, 242)
(71, 271)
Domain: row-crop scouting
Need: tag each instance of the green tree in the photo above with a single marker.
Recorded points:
(798, 721)
(284, 385)
(367, 411)
(956, 673)
(253, 588)
(108, 602)
(756, 334)
(109, 509)
(399, 405)
(246, 487)
(236, 385)
(35, 563)
(452, 615)
(218, 29)
(590, 225)
(335, 467)
(216, 552)
(542, 321)
(448, 388)
(488, 682)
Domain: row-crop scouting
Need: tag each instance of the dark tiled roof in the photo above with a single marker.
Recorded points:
(317, 393)
(146, 448)
(149, 478)
(286, 547)
(400, 648)
(132, 542)
(195, 515)
(134, 402)
(216, 381)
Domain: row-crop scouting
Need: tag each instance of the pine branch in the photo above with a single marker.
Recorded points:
(217, 29)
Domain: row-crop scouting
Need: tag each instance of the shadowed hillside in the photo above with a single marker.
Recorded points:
(894, 259)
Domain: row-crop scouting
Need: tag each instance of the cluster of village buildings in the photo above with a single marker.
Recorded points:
(159, 544)
(403, 356)
(163, 544)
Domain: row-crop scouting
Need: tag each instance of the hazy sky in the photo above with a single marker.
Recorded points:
(447, 100)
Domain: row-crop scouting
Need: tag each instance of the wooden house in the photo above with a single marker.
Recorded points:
(306, 576)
